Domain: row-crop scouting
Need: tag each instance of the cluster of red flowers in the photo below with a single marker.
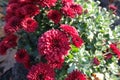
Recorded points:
(20, 15)
(108, 54)
(54, 44)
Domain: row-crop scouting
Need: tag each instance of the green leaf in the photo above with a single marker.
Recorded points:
(74, 49)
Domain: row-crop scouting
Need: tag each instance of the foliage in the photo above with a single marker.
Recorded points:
(94, 28)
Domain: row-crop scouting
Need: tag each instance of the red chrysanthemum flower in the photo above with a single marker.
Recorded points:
(28, 10)
(77, 8)
(67, 2)
(22, 56)
(47, 3)
(53, 42)
(19, 13)
(41, 71)
(10, 30)
(112, 7)
(115, 49)
(12, 25)
(72, 10)
(54, 15)
(71, 30)
(11, 8)
(96, 61)
(14, 21)
(29, 24)
(76, 75)
(108, 56)
(8, 42)
(77, 41)
(66, 10)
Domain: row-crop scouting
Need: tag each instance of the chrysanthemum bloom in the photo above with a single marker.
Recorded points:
(76, 75)
(96, 61)
(77, 8)
(8, 42)
(55, 16)
(10, 30)
(29, 24)
(112, 7)
(54, 44)
(77, 41)
(47, 3)
(66, 10)
(71, 30)
(28, 10)
(22, 56)
(19, 13)
(11, 8)
(72, 10)
(14, 21)
(67, 2)
(41, 71)
(12, 25)
(115, 49)
(108, 56)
